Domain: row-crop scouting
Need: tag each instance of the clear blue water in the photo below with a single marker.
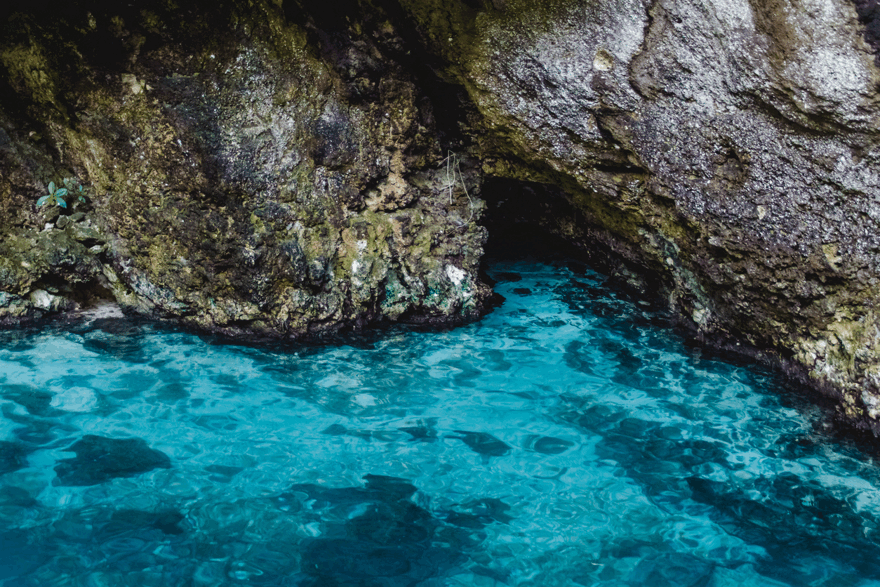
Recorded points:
(569, 438)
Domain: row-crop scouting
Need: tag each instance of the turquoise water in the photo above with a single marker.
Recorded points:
(569, 438)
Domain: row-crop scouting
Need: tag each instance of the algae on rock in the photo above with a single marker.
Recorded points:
(242, 183)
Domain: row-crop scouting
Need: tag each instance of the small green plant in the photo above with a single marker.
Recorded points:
(59, 195)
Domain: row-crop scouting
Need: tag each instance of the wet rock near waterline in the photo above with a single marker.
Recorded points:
(53, 271)
(99, 459)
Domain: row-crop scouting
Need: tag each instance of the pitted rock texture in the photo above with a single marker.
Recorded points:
(240, 179)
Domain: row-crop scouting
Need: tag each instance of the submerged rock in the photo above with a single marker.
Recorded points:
(125, 521)
(21, 553)
(483, 444)
(13, 456)
(99, 459)
(386, 539)
(548, 445)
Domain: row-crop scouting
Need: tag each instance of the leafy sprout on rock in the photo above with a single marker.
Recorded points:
(59, 195)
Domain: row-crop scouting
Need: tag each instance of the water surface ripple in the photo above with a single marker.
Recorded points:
(569, 438)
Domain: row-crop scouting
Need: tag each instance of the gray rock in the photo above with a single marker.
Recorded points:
(240, 184)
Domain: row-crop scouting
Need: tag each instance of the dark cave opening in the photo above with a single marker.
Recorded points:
(526, 219)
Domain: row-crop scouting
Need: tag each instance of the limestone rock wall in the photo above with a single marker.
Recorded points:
(246, 172)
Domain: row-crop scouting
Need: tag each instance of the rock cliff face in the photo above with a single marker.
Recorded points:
(242, 176)
(283, 168)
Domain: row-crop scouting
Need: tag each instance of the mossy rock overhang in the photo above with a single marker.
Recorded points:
(283, 168)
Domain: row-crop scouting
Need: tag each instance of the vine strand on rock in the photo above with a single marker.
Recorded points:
(453, 170)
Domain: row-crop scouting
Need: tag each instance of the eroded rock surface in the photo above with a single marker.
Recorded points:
(239, 179)
(283, 168)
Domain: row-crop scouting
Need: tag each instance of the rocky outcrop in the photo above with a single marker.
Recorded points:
(293, 167)
(237, 179)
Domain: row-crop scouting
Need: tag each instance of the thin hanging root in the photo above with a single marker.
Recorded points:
(450, 181)
(451, 163)
(464, 187)
(453, 166)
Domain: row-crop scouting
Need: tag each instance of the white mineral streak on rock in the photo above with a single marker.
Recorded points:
(102, 311)
(42, 299)
(455, 275)
(355, 267)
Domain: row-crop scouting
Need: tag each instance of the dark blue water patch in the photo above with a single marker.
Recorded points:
(118, 343)
(125, 522)
(385, 537)
(133, 383)
(223, 473)
(217, 422)
(11, 496)
(13, 456)
(99, 459)
(581, 357)
(18, 340)
(18, 555)
(569, 438)
(479, 513)
(784, 513)
(37, 402)
(423, 431)
(368, 435)
(548, 445)
(34, 431)
(507, 276)
(483, 443)
(172, 392)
